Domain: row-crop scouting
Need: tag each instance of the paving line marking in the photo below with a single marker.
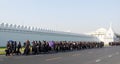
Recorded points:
(117, 53)
(39, 55)
(90, 52)
(110, 56)
(98, 60)
(21, 57)
(56, 58)
(76, 54)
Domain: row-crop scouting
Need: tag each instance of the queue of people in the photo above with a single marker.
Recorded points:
(12, 48)
(114, 43)
(42, 47)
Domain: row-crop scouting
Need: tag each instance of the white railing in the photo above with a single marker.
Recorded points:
(14, 27)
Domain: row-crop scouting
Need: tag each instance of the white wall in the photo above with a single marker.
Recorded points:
(6, 35)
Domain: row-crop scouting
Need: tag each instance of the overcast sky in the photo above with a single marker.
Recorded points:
(79, 16)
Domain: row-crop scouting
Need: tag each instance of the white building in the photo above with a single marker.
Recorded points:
(105, 35)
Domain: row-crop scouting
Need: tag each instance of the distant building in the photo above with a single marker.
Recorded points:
(105, 35)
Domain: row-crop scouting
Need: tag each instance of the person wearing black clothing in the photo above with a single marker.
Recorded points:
(15, 46)
(8, 49)
(45, 47)
(12, 47)
(37, 47)
(27, 48)
(56, 47)
(18, 48)
(34, 48)
(39, 44)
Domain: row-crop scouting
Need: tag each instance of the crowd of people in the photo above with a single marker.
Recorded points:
(12, 47)
(39, 47)
(114, 43)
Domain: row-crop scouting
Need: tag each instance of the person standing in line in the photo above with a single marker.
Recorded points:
(27, 48)
(8, 49)
(18, 48)
(37, 47)
(12, 47)
(39, 44)
(34, 48)
(15, 46)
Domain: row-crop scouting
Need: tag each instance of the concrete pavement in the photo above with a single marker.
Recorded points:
(106, 55)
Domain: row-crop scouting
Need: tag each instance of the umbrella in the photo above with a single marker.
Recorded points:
(51, 43)
(10, 41)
